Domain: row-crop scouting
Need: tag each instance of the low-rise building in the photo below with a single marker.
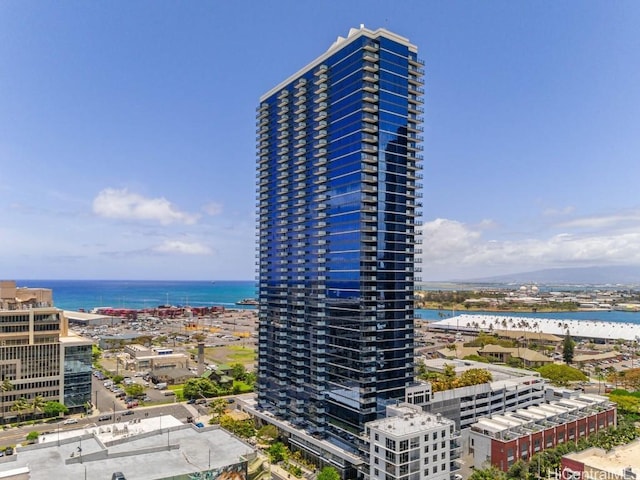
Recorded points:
(529, 358)
(156, 448)
(85, 319)
(40, 359)
(502, 440)
(410, 444)
(510, 389)
(140, 358)
(619, 463)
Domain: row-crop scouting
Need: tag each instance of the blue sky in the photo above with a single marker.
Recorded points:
(127, 131)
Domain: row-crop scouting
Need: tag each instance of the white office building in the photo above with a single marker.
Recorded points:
(410, 444)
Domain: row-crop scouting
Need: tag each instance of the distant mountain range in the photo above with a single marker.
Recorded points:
(611, 275)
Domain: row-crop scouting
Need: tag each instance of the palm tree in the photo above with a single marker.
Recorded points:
(20, 406)
(5, 386)
(37, 404)
(598, 371)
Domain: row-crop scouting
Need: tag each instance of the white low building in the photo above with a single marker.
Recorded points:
(412, 445)
(510, 389)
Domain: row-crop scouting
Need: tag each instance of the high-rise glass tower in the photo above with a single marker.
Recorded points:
(337, 191)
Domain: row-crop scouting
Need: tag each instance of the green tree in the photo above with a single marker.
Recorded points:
(37, 404)
(241, 428)
(33, 436)
(489, 473)
(519, 470)
(250, 378)
(561, 374)
(54, 409)
(96, 353)
(476, 358)
(20, 406)
(198, 388)
(237, 371)
(268, 433)
(134, 390)
(278, 452)
(474, 376)
(568, 346)
(625, 403)
(218, 407)
(328, 473)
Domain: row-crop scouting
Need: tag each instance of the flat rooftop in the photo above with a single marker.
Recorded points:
(538, 416)
(613, 461)
(407, 421)
(499, 373)
(141, 450)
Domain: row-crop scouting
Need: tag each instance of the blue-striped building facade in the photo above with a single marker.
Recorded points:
(337, 201)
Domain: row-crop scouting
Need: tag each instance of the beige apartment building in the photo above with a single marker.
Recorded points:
(39, 357)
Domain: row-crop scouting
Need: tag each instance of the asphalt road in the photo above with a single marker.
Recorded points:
(16, 435)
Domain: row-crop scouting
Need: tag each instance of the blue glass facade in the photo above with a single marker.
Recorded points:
(337, 200)
(77, 375)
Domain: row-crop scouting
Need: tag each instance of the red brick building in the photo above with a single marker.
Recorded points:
(502, 440)
(620, 463)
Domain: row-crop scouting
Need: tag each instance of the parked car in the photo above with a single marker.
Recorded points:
(104, 418)
(70, 421)
(128, 412)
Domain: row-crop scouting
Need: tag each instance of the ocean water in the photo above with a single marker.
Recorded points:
(603, 316)
(138, 294)
(87, 294)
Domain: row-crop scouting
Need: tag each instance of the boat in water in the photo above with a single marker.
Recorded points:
(247, 301)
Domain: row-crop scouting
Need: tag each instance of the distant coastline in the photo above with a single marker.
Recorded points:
(140, 294)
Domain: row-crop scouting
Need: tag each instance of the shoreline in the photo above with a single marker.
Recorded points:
(464, 309)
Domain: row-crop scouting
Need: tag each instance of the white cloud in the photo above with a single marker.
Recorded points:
(212, 208)
(122, 204)
(618, 220)
(452, 248)
(185, 248)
